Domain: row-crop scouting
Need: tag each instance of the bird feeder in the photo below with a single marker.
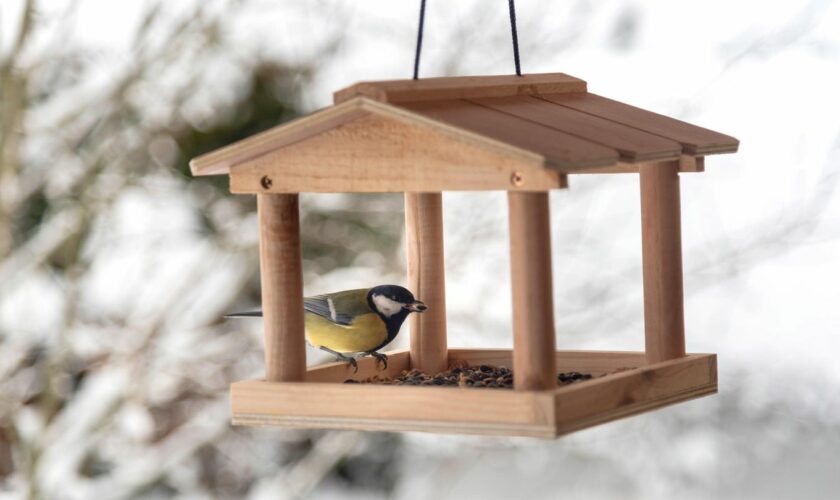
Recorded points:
(524, 135)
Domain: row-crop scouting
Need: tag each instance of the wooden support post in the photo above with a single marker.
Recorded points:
(426, 279)
(282, 287)
(533, 308)
(662, 261)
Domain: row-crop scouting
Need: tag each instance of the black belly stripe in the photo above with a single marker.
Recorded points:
(392, 325)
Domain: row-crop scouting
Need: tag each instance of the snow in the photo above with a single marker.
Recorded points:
(760, 240)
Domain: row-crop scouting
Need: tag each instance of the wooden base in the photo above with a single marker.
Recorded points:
(624, 385)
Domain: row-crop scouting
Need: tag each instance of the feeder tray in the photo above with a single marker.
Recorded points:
(523, 135)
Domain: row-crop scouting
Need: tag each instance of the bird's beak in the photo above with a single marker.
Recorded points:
(416, 306)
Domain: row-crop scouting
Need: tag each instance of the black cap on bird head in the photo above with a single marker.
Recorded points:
(393, 300)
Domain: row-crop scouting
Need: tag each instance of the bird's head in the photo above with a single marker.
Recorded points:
(392, 300)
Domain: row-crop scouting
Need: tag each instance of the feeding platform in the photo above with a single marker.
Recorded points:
(524, 135)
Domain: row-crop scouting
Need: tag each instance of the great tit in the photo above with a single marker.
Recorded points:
(355, 321)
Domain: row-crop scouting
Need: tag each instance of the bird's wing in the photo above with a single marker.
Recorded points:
(340, 307)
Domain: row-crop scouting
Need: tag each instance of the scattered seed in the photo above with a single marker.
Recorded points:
(569, 377)
(462, 375)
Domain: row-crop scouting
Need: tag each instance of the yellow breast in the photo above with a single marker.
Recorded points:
(367, 332)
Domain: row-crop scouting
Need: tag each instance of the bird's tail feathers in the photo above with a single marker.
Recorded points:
(245, 314)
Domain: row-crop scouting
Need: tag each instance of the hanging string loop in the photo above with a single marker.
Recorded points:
(513, 34)
(419, 38)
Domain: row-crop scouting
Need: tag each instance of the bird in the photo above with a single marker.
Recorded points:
(360, 321)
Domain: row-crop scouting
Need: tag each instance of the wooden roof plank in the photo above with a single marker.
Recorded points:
(695, 140)
(632, 144)
(459, 87)
(561, 151)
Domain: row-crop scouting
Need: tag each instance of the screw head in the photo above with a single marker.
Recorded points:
(516, 179)
(266, 182)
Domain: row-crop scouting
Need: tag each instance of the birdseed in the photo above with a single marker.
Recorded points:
(481, 376)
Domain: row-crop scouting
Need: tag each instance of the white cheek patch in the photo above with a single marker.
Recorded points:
(387, 306)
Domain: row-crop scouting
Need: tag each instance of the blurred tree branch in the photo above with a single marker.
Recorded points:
(73, 145)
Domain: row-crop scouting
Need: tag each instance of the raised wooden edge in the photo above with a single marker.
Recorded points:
(688, 164)
(393, 408)
(340, 371)
(546, 414)
(460, 87)
(545, 431)
(635, 391)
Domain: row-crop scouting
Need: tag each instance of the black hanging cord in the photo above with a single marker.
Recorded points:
(514, 36)
(420, 38)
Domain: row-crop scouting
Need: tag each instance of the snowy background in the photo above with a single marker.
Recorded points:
(116, 265)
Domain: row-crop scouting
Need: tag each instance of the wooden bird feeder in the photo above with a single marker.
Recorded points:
(523, 135)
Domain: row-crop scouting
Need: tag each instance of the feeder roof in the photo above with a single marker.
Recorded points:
(461, 133)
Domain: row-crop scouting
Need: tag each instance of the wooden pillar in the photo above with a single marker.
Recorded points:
(282, 287)
(426, 279)
(662, 261)
(533, 306)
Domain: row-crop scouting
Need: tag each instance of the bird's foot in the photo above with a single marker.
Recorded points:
(351, 360)
(343, 357)
(380, 358)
